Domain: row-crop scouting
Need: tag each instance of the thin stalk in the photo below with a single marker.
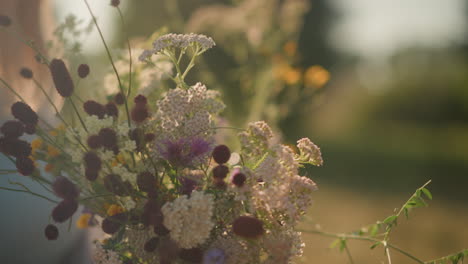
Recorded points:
(387, 252)
(50, 101)
(349, 255)
(129, 51)
(191, 63)
(78, 114)
(32, 193)
(110, 59)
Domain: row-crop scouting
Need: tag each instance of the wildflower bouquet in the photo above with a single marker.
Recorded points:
(149, 171)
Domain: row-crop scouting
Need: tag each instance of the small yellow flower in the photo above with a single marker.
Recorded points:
(53, 133)
(52, 151)
(48, 167)
(36, 143)
(290, 48)
(114, 209)
(292, 76)
(316, 76)
(83, 221)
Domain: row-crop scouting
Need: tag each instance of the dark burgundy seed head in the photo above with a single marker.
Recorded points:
(12, 128)
(221, 154)
(91, 174)
(83, 70)
(26, 73)
(51, 232)
(119, 99)
(150, 137)
(5, 21)
(92, 161)
(24, 113)
(220, 171)
(94, 108)
(112, 224)
(140, 100)
(248, 227)
(64, 210)
(94, 141)
(139, 113)
(25, 165)
(108, 138)
(115, 3)
(239, 179)
(146, 181)
(30, 129)
(112, 110)
(64, 188)
(151, 244)
(61, 77)
(15, 147)
(219, 183)
(192, 255)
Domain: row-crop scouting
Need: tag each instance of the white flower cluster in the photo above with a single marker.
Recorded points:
(103, 256)
(309, 152)
(187, 113)
(256, 140)
(189, 219)
(282, 245)
(178, 41)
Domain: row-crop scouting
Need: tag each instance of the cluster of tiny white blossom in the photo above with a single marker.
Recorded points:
(103, 256)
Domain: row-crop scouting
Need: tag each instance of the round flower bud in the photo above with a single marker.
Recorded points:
(61, 77)
(24, 113)
(94, 108)
(192, 255)
(108, 138)
(150, 137)
(112, 224)
(92, 161)
(83, 70)
(220, 172)
(146, 181)
(26, 73)
(25, 165)
(15, 147)
(12, 129)
(94, 141)
(238, 179)
(112, 110)
(64, 210)
(119, 99)
(151, 244)
(248, 227)
(30, 129)
(91, 174)
(115, 3)
(220, 183)
(139, 113)
(5, 21)
(64, 188)
(51, 232)
(221, 154)
(140, 100)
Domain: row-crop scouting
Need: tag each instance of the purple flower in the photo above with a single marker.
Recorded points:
(214, 256)
(184, 152)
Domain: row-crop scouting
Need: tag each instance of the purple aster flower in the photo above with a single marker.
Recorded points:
(214, 256)
(185, 152)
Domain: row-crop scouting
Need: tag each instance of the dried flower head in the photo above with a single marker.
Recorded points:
(24, 113)
(92, 161)
(220, 172)
(111, 109)
(51, 232)
(112, 224)
(239, 179)
(248, 227)
(12, 129)
(26, 73)
(94, 108)
(15, 147)
(119, 99)
(151, 244)
(83, 70)
(25, 166)
(91, 174)
(115, 3)
(221, 154)
(146, 181)
(309, 152)
(64, 210)
(64, 188)
(140, 100)
(94, 142)
(139, 113)
(61, 77)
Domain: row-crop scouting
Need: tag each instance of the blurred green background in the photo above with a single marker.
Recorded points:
(386, 99)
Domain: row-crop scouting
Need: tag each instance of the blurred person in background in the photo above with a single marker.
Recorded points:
(24, 217)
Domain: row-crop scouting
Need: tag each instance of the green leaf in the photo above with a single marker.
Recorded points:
(427, 193)
(335, 243)
(390, 220)
(375, 245)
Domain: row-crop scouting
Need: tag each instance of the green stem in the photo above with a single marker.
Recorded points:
(129, 51)
(191, 63)
(349, 255)
(28, 191)
(78, 113)
(111, 61)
